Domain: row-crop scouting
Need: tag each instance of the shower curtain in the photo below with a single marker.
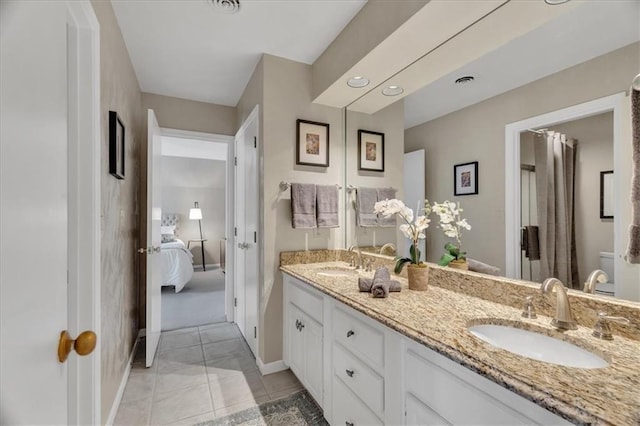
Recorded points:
(555, 158)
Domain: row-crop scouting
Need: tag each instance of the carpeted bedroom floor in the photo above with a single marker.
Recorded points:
(200, 302)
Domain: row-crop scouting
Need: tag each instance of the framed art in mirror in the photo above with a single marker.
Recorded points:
(606, 194)
(116, 145)
(370, 151)
(465, 178)
(312, 143)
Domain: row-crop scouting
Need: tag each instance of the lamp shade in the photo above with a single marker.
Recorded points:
(195, 214)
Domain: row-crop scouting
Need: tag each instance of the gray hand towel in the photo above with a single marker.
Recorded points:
(380, 288)
(633, 250)
(382, 273)
(327, 206)
(386, 194)
(532, 248)
(366, 199)
(303, 205)
(484, 268)
(365, 284)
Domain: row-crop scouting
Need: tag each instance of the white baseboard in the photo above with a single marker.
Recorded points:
(272, 367)
(123, 383)
(197, 267)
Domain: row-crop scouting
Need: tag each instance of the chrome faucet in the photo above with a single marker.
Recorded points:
(386, 246)
(359, 264)
(563, 319)
(597, 276)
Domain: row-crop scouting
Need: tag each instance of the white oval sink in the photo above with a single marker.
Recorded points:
(337, 272)
(537, 346)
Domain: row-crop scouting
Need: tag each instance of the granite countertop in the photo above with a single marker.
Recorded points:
(438, 318)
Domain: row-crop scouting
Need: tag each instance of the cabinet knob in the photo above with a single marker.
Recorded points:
(350, 333)
(301, 326)
(349, 373)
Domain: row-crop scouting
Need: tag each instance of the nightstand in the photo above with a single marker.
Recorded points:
(204, 268)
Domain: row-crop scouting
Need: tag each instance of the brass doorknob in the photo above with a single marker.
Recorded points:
(84, 344)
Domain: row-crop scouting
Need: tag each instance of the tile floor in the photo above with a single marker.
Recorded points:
(200, 373)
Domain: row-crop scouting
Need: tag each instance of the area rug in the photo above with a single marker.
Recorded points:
(298, 409)
(200, 302)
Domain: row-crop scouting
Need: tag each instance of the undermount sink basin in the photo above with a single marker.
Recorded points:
(537, 346)
(337, 272)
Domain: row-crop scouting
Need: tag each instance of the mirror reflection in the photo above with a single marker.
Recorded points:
(564, 63)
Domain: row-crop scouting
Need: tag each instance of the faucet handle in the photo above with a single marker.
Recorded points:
(602, 330)
(529, 311)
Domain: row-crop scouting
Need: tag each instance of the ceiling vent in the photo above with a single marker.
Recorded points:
(464, 80)
(225, 6)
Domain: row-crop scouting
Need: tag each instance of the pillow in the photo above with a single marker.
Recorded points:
(168, 238)
(168, 230)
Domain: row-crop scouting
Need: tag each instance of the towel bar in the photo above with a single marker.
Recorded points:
(286, 185)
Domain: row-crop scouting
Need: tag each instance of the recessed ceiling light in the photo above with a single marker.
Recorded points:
(466, 79)
(358, 82)
(555, 2)
(392, 90)
(225, 6)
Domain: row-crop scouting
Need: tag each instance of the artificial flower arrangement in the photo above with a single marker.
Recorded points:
(452, 224)
(414, 229)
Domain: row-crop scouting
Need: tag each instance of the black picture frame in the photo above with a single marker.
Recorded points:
(312, 143)
(116, 145)
(370, 151)
(465, 179)
(606, 194)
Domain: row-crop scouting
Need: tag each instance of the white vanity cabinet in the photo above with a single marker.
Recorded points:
(303, 335)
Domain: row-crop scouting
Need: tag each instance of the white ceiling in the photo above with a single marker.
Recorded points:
(187, 49)
(591, 30)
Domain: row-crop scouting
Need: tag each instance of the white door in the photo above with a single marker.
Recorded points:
(154, 257)
(247, 248)
(414, 192)
(41, 192)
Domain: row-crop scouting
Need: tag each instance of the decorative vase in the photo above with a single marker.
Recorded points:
(459, 264)
(418, 276)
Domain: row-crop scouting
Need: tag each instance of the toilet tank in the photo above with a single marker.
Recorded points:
(606, 264)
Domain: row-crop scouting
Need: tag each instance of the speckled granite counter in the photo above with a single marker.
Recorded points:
(439, 317)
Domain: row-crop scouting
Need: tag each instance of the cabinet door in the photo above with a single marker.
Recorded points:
(312, 333)
(419, 414)
(296, 341)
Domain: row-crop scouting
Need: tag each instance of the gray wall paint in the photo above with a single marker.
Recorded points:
(121, 208)
(185, 180)
(476, 133)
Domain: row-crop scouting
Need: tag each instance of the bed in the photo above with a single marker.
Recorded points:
(177, 261)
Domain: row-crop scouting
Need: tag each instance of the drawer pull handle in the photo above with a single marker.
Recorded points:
(350, 333)
(348, 423)
(301, 326)
(298, 325)
(349, 373)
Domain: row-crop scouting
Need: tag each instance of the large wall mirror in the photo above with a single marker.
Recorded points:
(588, 53)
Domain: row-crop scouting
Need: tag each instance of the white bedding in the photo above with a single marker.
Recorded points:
(177, 264)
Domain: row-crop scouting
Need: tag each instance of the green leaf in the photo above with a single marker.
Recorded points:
(400, 264)
(462, 256)
(415, 254)
(452, 249)
(446, 259)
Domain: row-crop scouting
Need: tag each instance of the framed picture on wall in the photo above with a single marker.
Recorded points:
(606, 194)
(312, 143)
(465, 178)
(370, 151)
(116, 145)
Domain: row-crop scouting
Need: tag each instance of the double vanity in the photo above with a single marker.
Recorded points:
(459, 353)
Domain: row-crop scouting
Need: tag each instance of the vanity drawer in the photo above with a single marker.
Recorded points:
(348, 409)
(362, 380)
(359, 337)
(305, 299)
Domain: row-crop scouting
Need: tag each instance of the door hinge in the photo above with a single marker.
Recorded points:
(255, 333)
(255, 237)
(235, 302)
(255, 141)
(235, 161)
(235, 231)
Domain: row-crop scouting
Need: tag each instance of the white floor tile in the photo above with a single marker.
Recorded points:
(179, 405)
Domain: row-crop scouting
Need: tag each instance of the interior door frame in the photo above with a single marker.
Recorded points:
(230, 208)
(613, 103)
(85, 139)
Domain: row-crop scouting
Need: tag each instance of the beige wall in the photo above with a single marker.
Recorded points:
(594, 154)
(389, 121)
(121, 208)
(183, 114)
(476, 133)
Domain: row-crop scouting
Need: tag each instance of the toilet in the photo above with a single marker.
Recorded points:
(606, 264)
